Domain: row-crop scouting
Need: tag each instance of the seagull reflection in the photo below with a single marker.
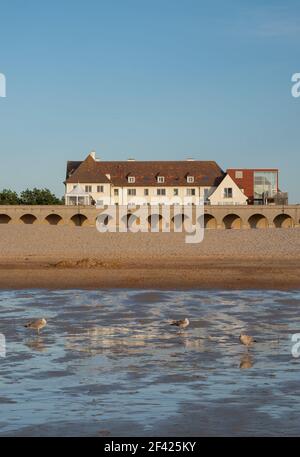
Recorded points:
(193, 344)
(246, 362)
(36, 345)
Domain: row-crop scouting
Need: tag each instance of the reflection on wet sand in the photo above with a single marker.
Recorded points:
(115, 353)
(194, 344)
(246, 362)
(131, 340)
(36, 344)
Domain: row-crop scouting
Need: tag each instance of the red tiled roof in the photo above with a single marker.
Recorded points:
(85, 172)
(206, 173)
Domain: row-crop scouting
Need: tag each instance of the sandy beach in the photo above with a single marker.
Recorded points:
(71, 257)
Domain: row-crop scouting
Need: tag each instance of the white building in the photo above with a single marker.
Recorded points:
(228, 193)
(133, 182)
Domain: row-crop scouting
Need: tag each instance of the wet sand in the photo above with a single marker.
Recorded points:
(109, 364)
(68, 258)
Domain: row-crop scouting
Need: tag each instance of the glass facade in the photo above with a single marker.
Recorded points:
(265, 184)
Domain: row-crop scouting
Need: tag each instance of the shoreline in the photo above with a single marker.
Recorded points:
(230, 274)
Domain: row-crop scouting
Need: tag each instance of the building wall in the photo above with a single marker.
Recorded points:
(243, 189)
(153, 197)
(94, 194)
(123, 198)
(247, 181)
(238, 197)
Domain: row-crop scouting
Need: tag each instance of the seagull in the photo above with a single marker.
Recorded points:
(247, 340)
(183, 323)
(37, 324)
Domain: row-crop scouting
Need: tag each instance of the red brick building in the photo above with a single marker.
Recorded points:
(260, 185)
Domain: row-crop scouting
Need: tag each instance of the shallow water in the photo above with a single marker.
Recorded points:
(109, 364)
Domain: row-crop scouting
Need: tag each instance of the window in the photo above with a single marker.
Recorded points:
(161, 191)
(190, 192)
(100, 189)
(160, 179)
(116, 192)
(74, 186)
(175, 192)
(206, 194)
(190, 179)
(146, 192)
(239, 174)
(265, 184)
(228, 192)
(131, 179)
(88, 188)
(131, 192)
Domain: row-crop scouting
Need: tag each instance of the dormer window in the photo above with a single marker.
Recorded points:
(190, 179)
(131, 179)
(160, 179)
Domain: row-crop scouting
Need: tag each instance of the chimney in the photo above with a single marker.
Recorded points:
(93, 155)
(131, 159)
(190, 159)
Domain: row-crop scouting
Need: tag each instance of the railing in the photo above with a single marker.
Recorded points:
(231, 203)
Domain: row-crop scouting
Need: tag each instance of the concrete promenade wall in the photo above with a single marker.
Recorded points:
(216, 217)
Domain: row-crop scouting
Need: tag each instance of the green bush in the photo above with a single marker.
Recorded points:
(29, 197)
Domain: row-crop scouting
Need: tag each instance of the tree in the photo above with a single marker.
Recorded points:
(39, 197)
(9, 197)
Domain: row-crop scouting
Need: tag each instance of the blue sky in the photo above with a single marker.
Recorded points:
(159, 79)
